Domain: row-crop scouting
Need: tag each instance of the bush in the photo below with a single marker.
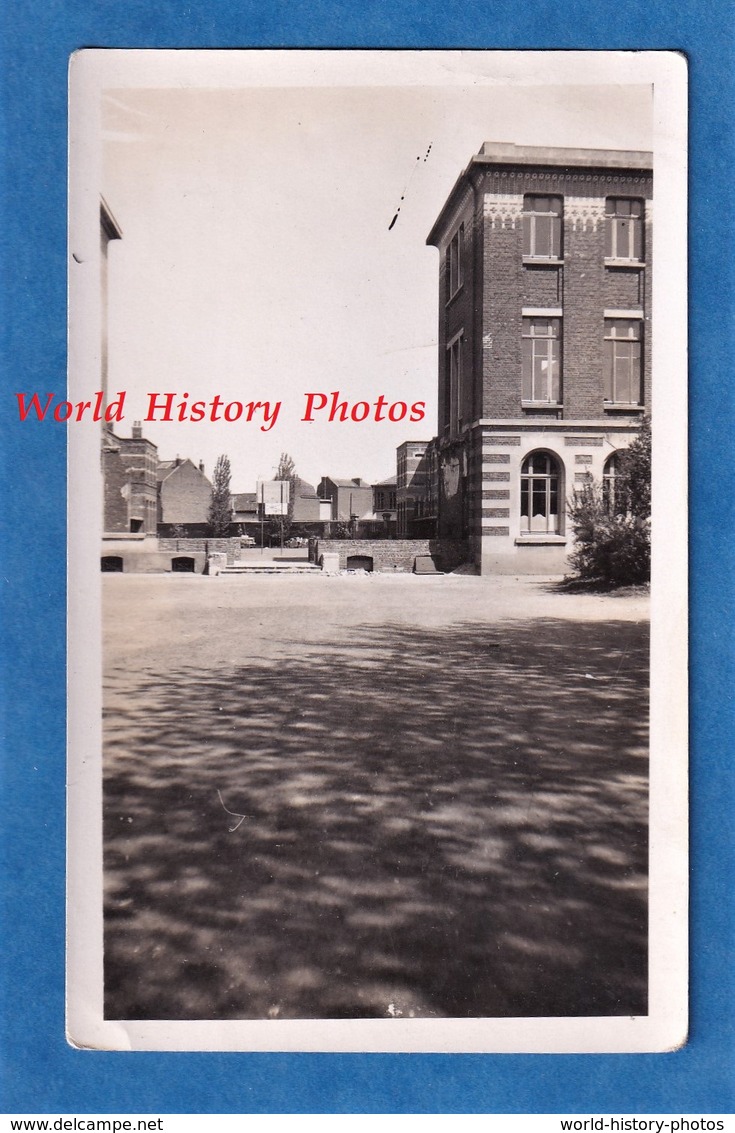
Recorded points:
(613, 535)
(340, 529)
(635, 475)
(609, 548)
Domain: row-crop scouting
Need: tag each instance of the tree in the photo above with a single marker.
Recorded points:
(220, 509)
(286, 470)
(634, 494)
(613, 529)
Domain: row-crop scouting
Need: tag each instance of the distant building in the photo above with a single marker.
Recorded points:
(413, 490)
(384, 496)
(129, 472)
(245, 509)
(184, 496)
(305, 502)
(385, 511)
(544, 342)
(349, 500)
(147, 496)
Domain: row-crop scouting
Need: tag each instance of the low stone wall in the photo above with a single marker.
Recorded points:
(390, 555)
(387, 555)
(127, 560)
(186, 544)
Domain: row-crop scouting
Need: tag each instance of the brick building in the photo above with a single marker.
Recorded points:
(350, 500)
(306, 504)
(245, 510)
(385, 509)
(129, 474)
(413, 492)
(544, 342)
(184, 496)
(147, 496)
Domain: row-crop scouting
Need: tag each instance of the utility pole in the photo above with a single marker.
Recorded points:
(262, 517)
(281, 517)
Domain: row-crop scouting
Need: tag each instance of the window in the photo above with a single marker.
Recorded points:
(541, 360)
(623, 361)
(540, 494)
(623, 229)
(542, 227)
(385, 501)
(609, 474)
(455, 258)
(454, 388)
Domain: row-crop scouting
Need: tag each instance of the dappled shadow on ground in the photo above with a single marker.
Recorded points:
(445, 824)
(571, 584)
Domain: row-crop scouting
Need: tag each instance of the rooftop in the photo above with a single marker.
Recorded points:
(508, 154)
(357, 482)
(244, 501)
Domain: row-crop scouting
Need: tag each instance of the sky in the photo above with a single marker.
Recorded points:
(258, 261)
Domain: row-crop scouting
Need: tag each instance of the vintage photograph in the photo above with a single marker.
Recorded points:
(371, 745)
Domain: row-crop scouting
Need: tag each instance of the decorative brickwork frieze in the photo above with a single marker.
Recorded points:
(503, 210)
(496, 476)
(583, 458)
(584, 214)
(584, 442)
(497, 458)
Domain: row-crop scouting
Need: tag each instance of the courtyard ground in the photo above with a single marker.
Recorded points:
(373, 796)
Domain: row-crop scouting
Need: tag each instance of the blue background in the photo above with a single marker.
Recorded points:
(41, 1073)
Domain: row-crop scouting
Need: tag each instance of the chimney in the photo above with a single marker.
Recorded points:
(137, 431)
(177, 462)
(201, 466)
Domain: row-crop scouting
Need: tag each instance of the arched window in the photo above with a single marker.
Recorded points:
(540, 494)
(359, 562)
(609, 473)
